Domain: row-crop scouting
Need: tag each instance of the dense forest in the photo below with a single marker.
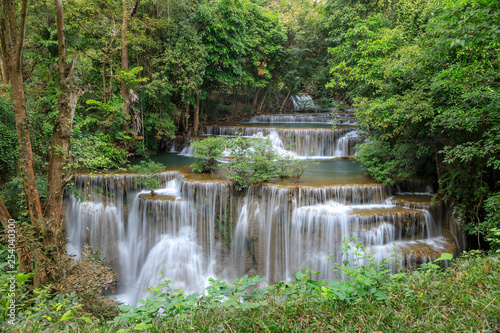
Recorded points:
(88, 85)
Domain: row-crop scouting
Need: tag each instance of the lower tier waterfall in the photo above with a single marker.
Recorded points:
(193, 230)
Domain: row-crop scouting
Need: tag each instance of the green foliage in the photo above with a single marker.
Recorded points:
(56, 312)
(163, 302)
(364, 277)
(422, 78)
(490, 227)
(129, 77)
(15, 199)
(96, 153)
(8, 139)
(150, 172)
(13, 291)
(387, 163)
(429, 299)
(292, 167)
(109, 115)
(208, 152)
(252, 161)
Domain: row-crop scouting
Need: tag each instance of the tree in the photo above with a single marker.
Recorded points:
(67, 101)
(150, 174)
(12, 36)
(46, 227)
(127, 14)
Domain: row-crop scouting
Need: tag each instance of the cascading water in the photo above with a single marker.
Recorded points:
(323, 142)
(320, 118)
(174, 226)
(302, 102)
(192, 230)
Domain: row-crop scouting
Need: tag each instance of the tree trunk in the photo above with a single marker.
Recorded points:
(127, 15)
(259, 108)
(284, 102)
(5, 76)
(196, 120)
(124, 89)
(67, 100)
(186, 119)
(12, 39)
(255, 100)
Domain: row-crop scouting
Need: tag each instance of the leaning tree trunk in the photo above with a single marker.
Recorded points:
(285, 100)
(255, 100)
(12, 41)
(259, 108)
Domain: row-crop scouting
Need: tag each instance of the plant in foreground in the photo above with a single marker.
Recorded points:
(150, 171)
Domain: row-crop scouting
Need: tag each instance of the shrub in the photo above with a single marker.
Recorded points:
(96, 153)
(150, 170)
(208, 152)
(253, 161)
(291, 167)
(491, 225)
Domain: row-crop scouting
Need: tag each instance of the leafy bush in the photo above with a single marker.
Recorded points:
(13, 290)
(108, 116)
(208, 152)
(385, 163)
(491, 224)
(96, 153)
(291, 167)
(150, 171)
(53, 312)
(8, 138)
(252, 161)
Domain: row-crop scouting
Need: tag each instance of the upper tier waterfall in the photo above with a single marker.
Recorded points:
(198, 227)
(302, 102)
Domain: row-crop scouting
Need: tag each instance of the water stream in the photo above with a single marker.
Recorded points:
(198, 226)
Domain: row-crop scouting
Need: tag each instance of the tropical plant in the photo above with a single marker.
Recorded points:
(208, 153)
(149, 174)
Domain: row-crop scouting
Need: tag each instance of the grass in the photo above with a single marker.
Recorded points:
(462, 298)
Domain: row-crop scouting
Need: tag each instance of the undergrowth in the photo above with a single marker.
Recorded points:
(465, 297)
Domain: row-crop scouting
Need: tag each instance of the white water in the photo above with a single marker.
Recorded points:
(322, 142)
(302, 102)
(319, 118)
(195, 230)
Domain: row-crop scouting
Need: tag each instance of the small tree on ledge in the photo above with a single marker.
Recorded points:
(151, 174)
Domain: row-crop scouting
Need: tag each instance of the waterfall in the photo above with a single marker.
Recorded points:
(325, 118)
(193, 230)
(321, 118)
(302, 102)
(178, 223)
(323, 142)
